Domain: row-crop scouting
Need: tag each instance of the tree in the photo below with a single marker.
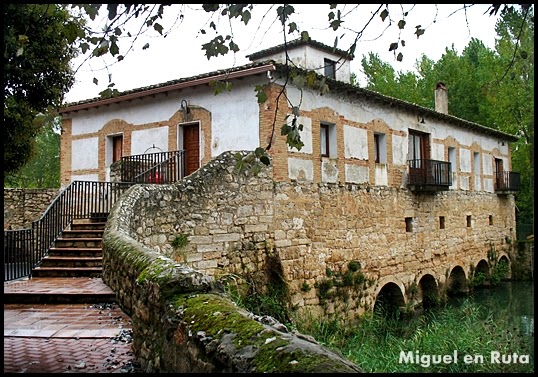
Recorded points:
(38, 48)
(42, 170)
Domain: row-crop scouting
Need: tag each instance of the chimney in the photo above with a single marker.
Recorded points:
(441, 98)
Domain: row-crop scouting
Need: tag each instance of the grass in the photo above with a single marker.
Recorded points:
(376, 344)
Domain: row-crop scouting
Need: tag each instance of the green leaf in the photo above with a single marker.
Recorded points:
(112, 11)
(210, 7)
(399, 57)
(401, 24)
(384, 14)
(284, 12)
(246, 16)
(265, 160)
(419, 31)
(523, 54)
(393, 46)
(158, 28)
(292, 27)
(285, 129)
(260, 94)
(335, 24)
(233, 46)
(305, 36)
(145, 47)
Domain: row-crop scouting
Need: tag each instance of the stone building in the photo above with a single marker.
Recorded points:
(385, 199)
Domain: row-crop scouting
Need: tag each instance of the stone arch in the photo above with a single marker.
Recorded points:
(389, 299)
(457, 281)
(481, 268)
(428, 291)
(194, 114)
(505, 259)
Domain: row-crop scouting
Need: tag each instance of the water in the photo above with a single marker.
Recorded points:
(512, 302)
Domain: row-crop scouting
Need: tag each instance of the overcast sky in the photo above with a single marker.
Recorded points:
(180, 55)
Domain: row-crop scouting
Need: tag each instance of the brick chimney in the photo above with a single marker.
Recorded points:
(441, 98)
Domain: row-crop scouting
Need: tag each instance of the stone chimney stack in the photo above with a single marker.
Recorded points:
(441, 98)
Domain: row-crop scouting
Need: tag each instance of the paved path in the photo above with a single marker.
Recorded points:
(66, 338)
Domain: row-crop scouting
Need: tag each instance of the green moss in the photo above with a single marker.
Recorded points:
(271, 358)
(160, 271)
(216, 316)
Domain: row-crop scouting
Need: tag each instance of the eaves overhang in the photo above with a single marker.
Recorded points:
(351, 91)
(239, 72)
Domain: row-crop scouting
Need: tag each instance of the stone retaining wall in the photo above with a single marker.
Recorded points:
(22, 206)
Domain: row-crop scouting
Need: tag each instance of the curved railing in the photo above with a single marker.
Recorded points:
(25, 248)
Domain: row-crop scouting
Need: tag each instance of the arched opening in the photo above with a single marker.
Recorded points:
(428, 291)
(389, 300)
(501, 271)
(456, 283)
(481, 276)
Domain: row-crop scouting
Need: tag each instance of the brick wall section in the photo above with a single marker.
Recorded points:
(22, 206)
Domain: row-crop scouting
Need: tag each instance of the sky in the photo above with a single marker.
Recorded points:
(180, 54)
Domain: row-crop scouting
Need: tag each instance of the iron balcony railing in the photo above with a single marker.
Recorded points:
(429, 174)
(161, 167)
(25, 248)
(507, 181)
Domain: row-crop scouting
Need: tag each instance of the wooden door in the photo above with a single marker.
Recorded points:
(191, 145)
(499, 175)
(117, 148)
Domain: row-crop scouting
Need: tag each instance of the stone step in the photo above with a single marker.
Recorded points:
(83, 233)
(76, 251)
(69, 261)
(79, 242)
(56, 298)
(79, 225)
(40, 272)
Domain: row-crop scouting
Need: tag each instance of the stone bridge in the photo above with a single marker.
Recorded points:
(338, 248)
(335, 250)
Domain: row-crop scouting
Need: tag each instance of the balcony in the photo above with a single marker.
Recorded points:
(162, 167)
(507, 182)
(429, 175)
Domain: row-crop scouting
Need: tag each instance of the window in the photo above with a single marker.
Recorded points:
(469, 221)
(380, 148)
(408, 224)
(324, 139)
(441, 222)
(490, 219)
(327, 139)
(330, 68)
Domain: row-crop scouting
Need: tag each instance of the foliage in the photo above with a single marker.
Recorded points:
(43, 168)
(180, 240)
(375, 344)
(500, 272)
(38, 48)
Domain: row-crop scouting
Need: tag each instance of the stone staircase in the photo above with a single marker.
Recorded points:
(70, 273)
(77, 253)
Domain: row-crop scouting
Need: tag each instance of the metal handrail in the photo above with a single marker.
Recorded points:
(24, 249)
(138, 168)
(426, 172)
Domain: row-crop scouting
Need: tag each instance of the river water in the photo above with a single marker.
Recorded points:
(510, 301)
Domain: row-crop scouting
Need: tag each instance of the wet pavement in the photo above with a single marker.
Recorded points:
(66, 338)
